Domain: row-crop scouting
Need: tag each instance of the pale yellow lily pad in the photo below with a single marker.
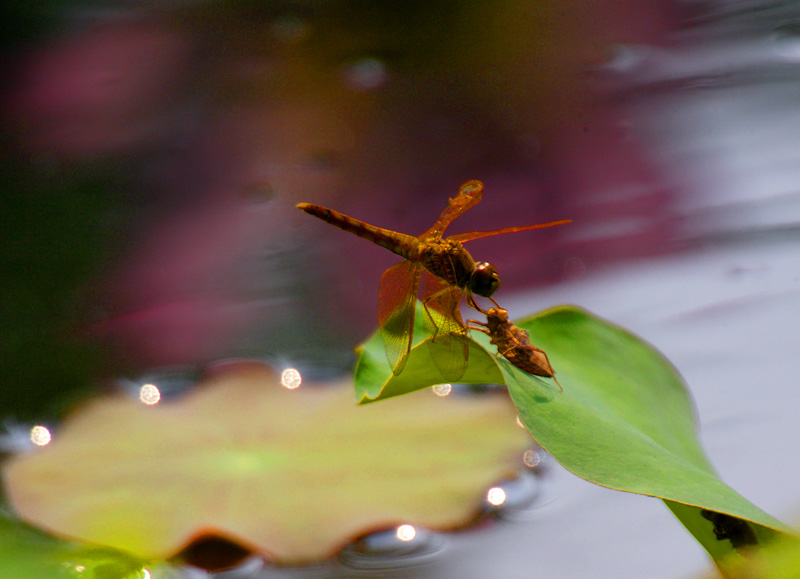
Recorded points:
(294, 474)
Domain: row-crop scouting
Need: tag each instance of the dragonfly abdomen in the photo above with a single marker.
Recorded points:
(403, 245)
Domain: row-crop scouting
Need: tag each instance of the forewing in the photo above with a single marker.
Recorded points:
(444, 327)
(462, 237)
(396, 302)
(469, 195)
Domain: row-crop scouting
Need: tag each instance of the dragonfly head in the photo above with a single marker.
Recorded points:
(484, 280)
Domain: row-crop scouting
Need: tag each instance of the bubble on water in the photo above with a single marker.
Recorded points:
(291, 379)
(402, 547)
(513, 496)
(149, 394)
(159, 384)
(496, 496)
(406, 533)
(532, 458)
(442, 390)
(40, 435)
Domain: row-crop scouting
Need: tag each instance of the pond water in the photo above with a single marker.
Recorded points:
(723, 311)
(680, 167)
(723, 307)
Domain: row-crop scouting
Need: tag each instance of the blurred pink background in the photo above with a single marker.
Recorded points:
(208, 124)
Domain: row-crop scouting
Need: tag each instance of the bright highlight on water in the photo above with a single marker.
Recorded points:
(406, 533)
(442, 390)
(149, 394)
(40, 436)
(291, 379)
(496, 496)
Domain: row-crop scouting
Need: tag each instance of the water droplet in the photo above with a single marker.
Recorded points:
(168, 382)
(513, 496)
(406, 532)
(366, 74)
(40, 435)
(442, 390)
(496, 496)
(291, 379)
(149, 394)
(532, 458)
(387, 549)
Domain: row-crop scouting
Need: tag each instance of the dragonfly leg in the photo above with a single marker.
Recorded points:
(473, 304)
(481, 327)
(430, 317)
(506, 351)
(551, 369)
(447, 308)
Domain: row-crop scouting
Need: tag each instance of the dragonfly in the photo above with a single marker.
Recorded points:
(444, 270)
(513, 343)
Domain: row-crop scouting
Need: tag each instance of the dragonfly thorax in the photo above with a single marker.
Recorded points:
(484, 279)
(448, 260)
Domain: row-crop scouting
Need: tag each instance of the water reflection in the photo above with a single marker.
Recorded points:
(442, 390)
(496, 496)
(514, 497)
(40, 435)
(406, 546)
(149, 394)
(387, 110)
(406, 533)
(532, 458)
(160, 383)
(291, 379)
(15, 437)
(132, 143)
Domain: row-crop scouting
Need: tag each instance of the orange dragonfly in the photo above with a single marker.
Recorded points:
(513, 343)
(446, 272)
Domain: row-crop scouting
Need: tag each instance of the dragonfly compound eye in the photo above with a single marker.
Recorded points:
(484, 280)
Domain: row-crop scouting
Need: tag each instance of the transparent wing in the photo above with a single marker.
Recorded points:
(444, 327)
(463, 237)
(396, 302)
(469, 195)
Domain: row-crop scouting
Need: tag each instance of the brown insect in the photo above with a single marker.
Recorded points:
(446, 271)
(512, 343)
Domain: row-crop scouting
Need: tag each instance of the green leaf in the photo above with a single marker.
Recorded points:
(625, 419)
(374, 379)
(778, 560)
(294, 474)
(26, 552)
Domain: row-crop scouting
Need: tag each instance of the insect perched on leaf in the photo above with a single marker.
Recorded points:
(513, 343)
(446, 272)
